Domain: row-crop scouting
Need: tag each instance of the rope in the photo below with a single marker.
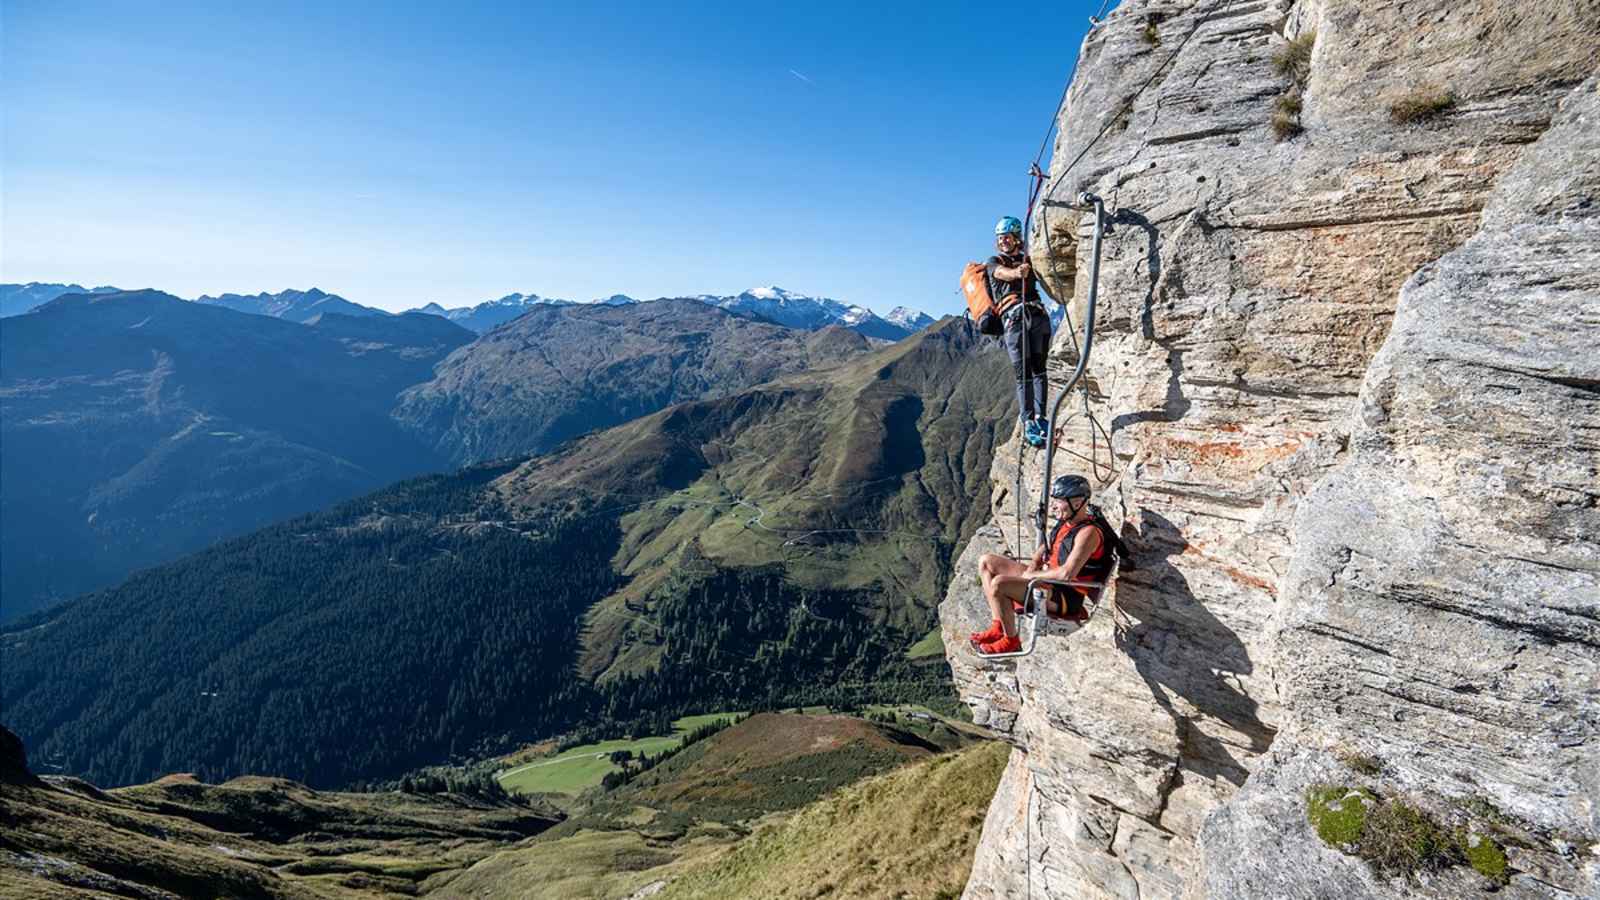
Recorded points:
(1038, 178)
(1027, 862)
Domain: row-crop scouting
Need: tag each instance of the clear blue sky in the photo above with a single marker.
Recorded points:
(458, 152)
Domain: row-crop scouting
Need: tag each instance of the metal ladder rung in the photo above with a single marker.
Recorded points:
(1033, 610)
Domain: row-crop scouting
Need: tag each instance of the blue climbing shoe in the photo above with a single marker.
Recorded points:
(1032, 433)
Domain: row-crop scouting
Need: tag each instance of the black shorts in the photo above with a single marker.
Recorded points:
(1067, 602)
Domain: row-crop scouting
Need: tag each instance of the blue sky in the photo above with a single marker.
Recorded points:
(458, 152)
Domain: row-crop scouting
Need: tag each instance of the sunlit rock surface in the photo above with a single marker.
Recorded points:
(1342, 536)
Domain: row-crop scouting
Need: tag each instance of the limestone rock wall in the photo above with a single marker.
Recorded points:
(1256, 446)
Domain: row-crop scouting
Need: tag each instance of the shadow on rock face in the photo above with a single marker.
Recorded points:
(1152, 258)
(1185, 653)
(1173, 407)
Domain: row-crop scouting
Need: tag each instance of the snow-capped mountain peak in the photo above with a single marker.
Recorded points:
(909, 319)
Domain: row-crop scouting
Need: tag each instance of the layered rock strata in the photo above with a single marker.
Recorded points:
(1341, 406)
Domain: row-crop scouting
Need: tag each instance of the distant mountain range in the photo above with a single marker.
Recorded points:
(138, 426)
(295, 306)
(16, 299)
(780, 545)
(801, 311)
(492, 313)
(771, 303)
(563, 369)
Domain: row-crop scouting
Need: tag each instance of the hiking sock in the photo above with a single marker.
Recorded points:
(1005, 644)
(996, 630)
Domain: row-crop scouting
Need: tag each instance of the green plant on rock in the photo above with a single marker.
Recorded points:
(1401, 839)
(1338, 813)
(1396, 837)
(1421, 105)
(1485, 856)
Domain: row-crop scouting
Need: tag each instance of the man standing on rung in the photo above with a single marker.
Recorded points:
(1027, 326)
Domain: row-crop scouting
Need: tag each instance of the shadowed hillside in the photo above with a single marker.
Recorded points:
(138, 427)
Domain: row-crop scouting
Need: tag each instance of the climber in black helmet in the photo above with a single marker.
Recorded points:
(1080, 547)
(1027, 326)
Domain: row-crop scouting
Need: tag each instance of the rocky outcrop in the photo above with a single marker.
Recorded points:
(1363, 518)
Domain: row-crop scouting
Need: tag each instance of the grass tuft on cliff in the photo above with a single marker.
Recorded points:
(1293, 59)
(1399, 838)
(1422, 104)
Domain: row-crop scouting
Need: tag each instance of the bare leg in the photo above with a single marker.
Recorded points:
(1003, 584)
(1004, 590)
(991, 567)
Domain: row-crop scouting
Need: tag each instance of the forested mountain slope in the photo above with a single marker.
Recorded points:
(447, 613)
(138, 426)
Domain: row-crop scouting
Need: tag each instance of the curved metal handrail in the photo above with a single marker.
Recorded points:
(1085, 199)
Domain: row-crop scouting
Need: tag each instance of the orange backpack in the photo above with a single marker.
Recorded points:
(980, 304)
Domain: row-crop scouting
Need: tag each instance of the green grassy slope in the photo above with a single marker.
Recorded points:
(909, 833)
(692, 817)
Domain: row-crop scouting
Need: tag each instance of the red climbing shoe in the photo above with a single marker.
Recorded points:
(1003, 645)
(995, 632)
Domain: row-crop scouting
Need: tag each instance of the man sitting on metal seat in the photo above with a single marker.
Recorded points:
(1081, 548)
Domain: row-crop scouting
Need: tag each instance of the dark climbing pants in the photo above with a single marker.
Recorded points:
(1027, 340)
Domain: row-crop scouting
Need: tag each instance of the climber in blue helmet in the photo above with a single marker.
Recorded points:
(1027, 326)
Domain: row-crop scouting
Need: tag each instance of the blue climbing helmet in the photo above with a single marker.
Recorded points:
(1008, 225)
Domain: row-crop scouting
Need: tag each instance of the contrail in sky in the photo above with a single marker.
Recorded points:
(801, 77)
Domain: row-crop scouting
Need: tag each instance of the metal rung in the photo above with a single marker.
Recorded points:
(1034, 612)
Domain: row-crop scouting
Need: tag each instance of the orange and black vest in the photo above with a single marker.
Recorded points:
(1096, 568)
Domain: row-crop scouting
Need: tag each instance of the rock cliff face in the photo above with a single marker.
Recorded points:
(1344, 406)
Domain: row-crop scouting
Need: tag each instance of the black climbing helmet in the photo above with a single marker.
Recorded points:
(1067, 487)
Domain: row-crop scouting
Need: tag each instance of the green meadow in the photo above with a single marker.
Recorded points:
(577, 769)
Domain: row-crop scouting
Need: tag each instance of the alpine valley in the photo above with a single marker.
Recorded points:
(779, 545)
